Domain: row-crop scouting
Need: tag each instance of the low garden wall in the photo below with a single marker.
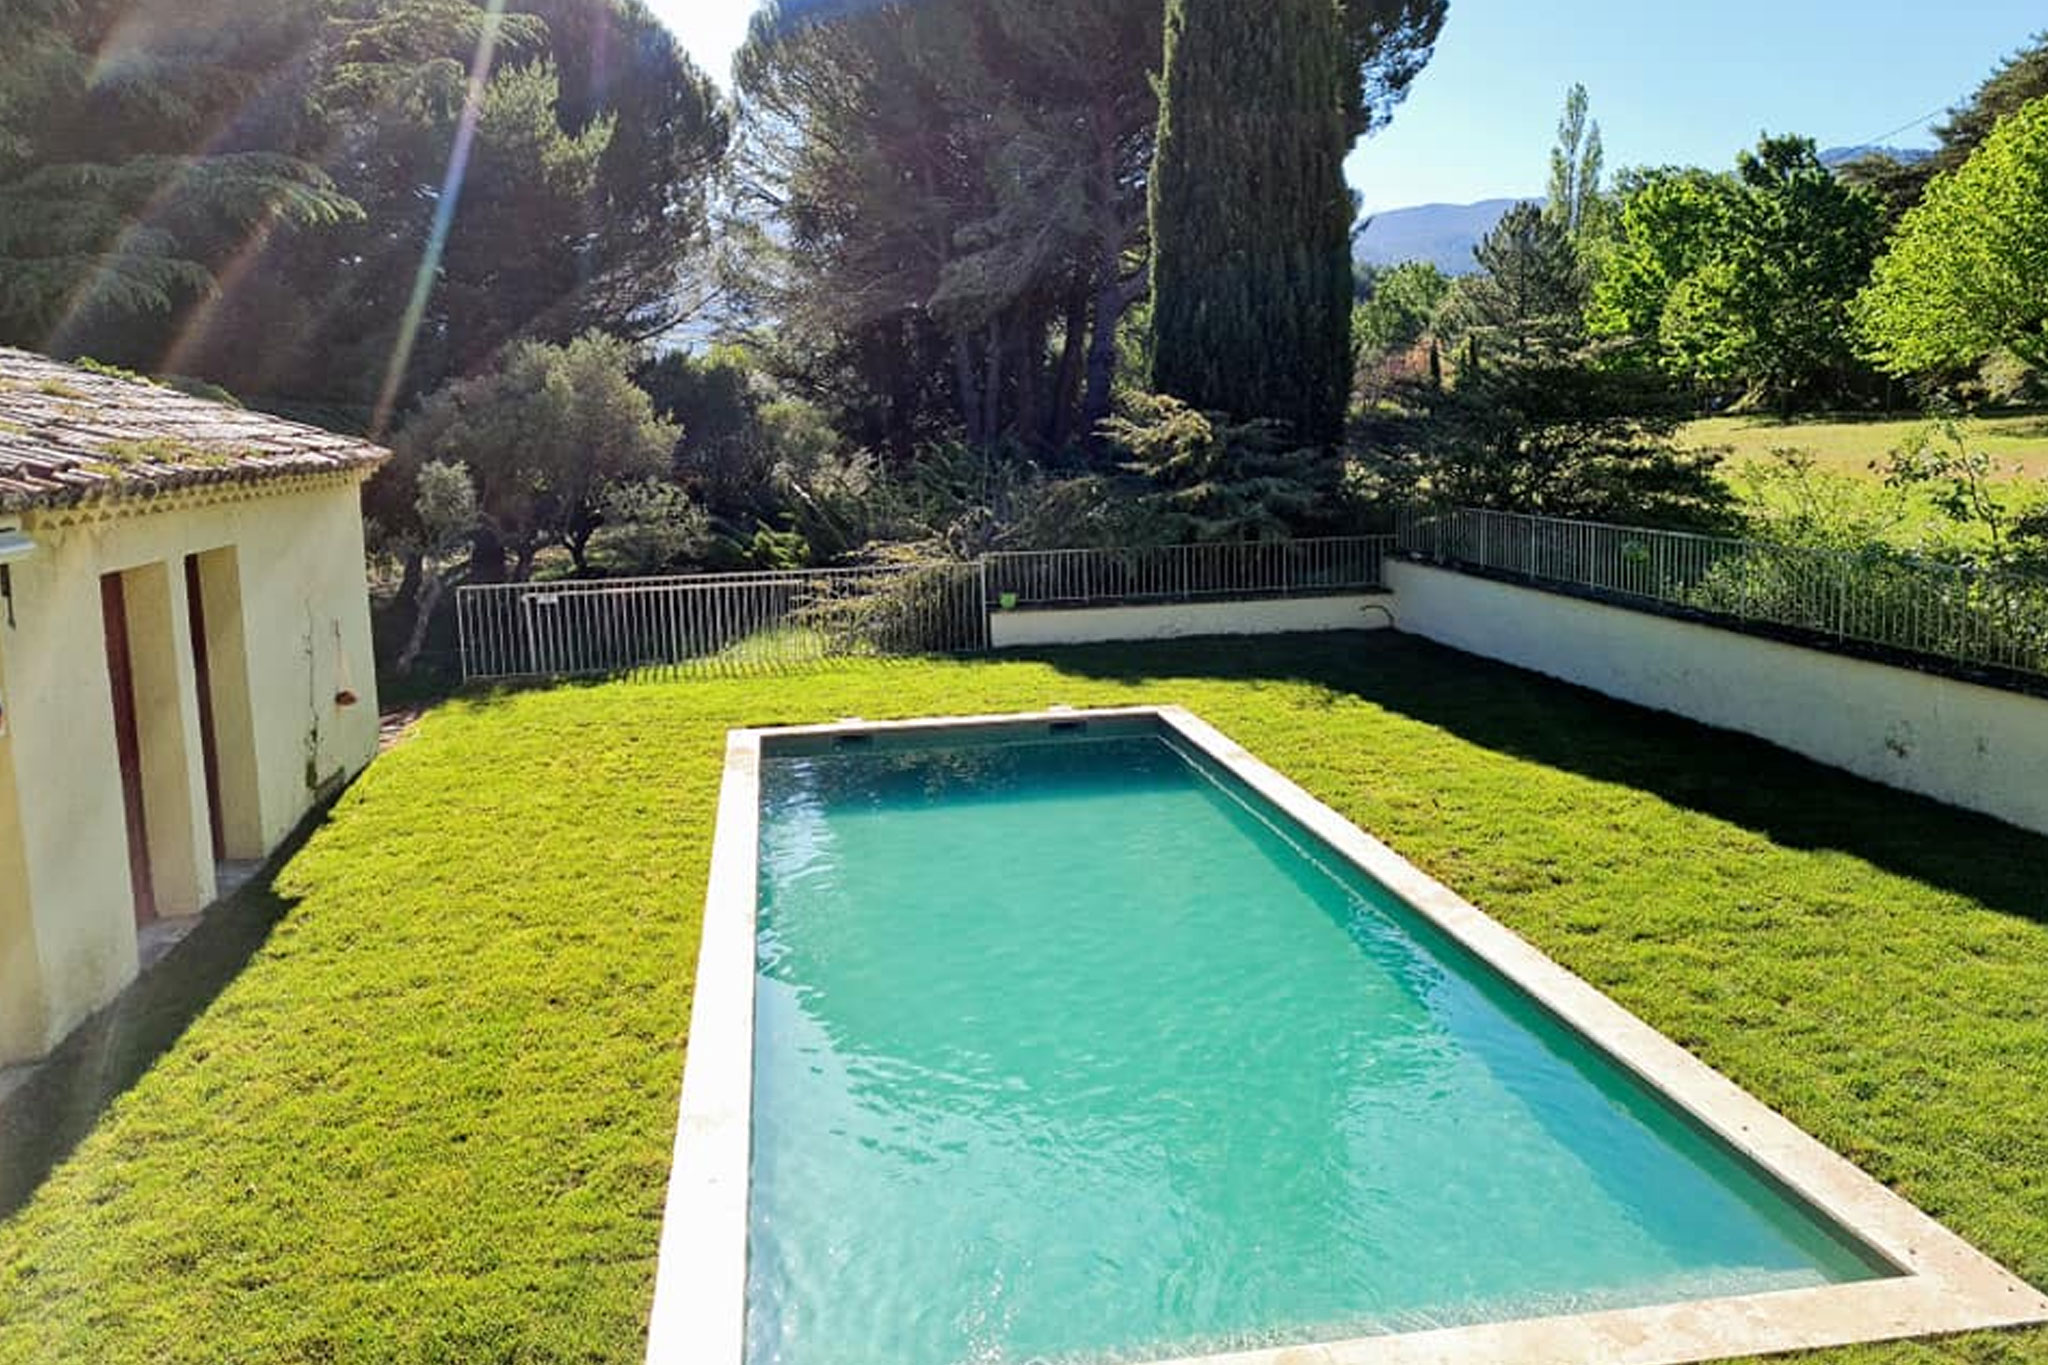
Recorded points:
(1171, 620)
(1976, 747)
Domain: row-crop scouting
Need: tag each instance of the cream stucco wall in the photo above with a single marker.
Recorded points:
(1173, 620)
(288, 627)
(21, 979)
(1975, 747)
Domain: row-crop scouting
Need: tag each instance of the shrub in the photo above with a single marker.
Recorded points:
(1211, 479)
(648, 527)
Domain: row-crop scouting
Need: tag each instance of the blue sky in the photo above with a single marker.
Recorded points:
(1671, 81)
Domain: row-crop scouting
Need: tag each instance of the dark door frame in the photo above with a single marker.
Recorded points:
(128, 741)
(202, 675)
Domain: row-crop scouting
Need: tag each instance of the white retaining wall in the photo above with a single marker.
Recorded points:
(1975, 747)
(1172, 620)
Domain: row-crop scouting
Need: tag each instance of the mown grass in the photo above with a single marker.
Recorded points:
(1846, 489)
(430, 1120)
(1851, 445)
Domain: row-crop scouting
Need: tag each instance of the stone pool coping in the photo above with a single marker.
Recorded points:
(1943, 1284)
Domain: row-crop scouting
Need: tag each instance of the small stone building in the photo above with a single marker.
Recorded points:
(185, 666)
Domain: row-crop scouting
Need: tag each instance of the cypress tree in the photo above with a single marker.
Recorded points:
(1251, 219)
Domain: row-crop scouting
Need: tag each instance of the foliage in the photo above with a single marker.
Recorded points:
(1528, 297)
(1943, 492)
(312, 197)
(1213, 479)
(740, 430)
(2019, 80)
(1876, 596)
(448, 1037)
(1576, 165)
(1538, 419)
(1250, 216)
(1964, 276)
(445, 501)
(1668, 227)
(715, 400)
(927, 604)
(1836, 548)
(1556, 433)
(545, 436)
(114, 191)
(648, 527)
(944, 205)
(780, 485)
(1791, 498)
(1388, 42)
(445, 517)
(1964, 483)
(1397, 315)
(1769, 311)
(1744, 284)
(2004, 380)
(832, 501)
(1399, 308)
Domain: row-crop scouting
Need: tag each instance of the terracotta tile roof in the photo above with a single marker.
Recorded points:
(69, 435)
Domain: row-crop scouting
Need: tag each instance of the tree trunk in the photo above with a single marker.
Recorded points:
(1031, 382)
(992, 386)
(577, 542)
(969, 395)
(486, 556)
(1066, 388)
(427, 600)
(1111, 300)
(409, 577)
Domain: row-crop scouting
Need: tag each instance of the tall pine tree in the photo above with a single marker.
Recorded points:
(1251, 219)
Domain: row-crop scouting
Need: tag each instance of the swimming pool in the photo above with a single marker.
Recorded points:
(1087, 1038)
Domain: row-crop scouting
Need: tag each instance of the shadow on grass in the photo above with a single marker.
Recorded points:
(51, 1113)
(1794, 801)
(2024, 428)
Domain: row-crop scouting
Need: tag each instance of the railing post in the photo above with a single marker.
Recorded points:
(525, 600)
(985, 635)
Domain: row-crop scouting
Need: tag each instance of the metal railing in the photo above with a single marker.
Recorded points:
(718, 623)
(1937, 611)
(1178, 573)
(755, 622)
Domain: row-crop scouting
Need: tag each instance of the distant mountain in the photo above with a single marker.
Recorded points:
(1442, 234)
(1842, 156)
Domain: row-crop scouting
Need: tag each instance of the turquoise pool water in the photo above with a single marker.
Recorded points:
(1073, 1050)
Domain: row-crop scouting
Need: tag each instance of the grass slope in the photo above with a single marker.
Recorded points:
(430, 1120)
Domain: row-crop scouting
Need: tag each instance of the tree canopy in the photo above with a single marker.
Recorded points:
(1743, 283)
(548, 436)
(1577, 163)
(1251, 219)
(951, 208)
(947, 204)
(333, 199)
(2019, 80)
(115, 193)
(1529, 295)
(1967, 273)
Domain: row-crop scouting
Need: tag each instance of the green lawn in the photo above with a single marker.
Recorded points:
(1850, 454)
(1851, 445)
(430, 1119)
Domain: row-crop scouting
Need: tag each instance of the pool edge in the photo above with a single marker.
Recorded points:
(1944, 1285)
